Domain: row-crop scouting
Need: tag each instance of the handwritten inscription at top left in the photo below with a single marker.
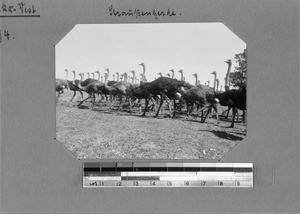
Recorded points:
(20, 9)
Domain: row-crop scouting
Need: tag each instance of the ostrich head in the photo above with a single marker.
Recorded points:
(195, 75)
(168, 75)
(107, 71)
(172, 70)
(214, 73)
(142, 64)
(228, 61)
(160, 74)
(180, 71)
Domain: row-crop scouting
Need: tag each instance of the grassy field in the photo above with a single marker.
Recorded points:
(100, 134)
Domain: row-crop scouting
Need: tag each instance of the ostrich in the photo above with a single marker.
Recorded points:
(133, 76)
(143, 77)
(63, 82)
(227, 74)
(217, 86)
(226, 86)
(236, 99)
(125, 75)
(98, 72)
(163, 86)
(73, 86)
(168, 75)
(160, 74)
(207, 83)
(93, 75)
(119, 88)
(59, 88)
(196, 78)
(88, 73)
(172, 70)
(215, 74)
(181, 73)
(118, 76)
(90, 86)
(203, 96)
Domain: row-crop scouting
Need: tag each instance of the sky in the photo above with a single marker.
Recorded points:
(193, 47)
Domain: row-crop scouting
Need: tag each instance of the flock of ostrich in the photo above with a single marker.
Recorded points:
(162, 89)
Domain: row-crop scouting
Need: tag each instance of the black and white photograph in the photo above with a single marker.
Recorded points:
(151, 91)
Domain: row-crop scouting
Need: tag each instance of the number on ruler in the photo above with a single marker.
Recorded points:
(119, 183)
(152, 183)
(237, 183)
(220, 183)
(169, 183)
(101, 183)
(203, 183)
(186, 183)
(135, 183)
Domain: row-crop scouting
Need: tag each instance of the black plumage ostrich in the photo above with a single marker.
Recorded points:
(236, 99)
(163, 87)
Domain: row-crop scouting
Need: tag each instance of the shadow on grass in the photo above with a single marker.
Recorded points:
(227, 136)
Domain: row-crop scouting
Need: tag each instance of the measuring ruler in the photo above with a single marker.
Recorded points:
(174, 174)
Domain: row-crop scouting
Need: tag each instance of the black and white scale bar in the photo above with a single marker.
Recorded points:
(133, 166)
(135, 174)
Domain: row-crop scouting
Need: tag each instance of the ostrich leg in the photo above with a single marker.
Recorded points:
(80, 102)
(161, 102)
(234, 111)
(146, 105)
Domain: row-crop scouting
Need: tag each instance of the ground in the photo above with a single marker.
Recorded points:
(102, 134)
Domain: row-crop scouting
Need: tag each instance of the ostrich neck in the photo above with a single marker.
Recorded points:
(196, 77)
(181, 76)
(74, 76)
(66, 74)
(215, 81)
(173, 75)
(227, 75)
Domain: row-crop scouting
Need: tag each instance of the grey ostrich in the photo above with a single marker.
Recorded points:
(89, 86)
(143, 77)
(181, 75)
(73, 86)
(203, 96)
(64, 82)
(119, 89)
(215, 78)
(227, 74)
(172, 71)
